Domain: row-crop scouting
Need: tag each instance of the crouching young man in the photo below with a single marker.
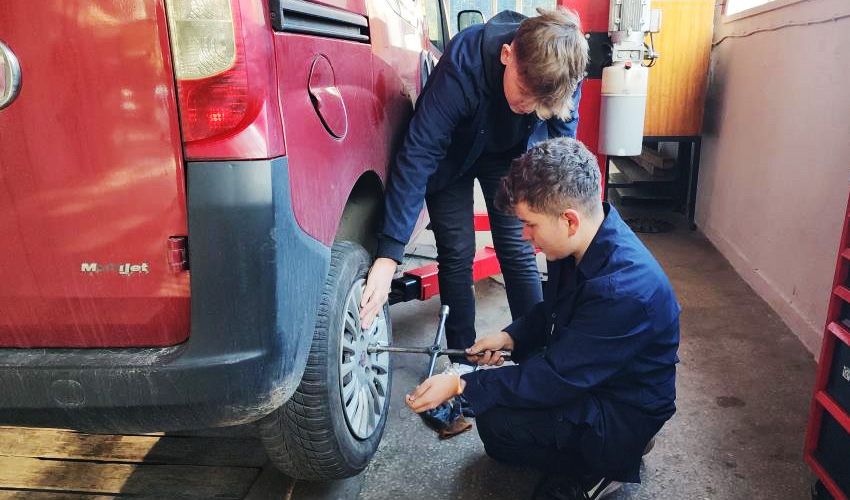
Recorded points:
(594, 378)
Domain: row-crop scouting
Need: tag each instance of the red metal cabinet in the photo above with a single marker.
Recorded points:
(827, 449)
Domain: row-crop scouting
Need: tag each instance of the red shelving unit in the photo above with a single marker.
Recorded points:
(827, 448)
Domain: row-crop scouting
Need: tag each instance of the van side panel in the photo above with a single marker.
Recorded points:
(91, 178)
(377, 82)
(356, 6)
(324, 168)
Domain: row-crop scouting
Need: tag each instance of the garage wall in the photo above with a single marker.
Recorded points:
(774, 175)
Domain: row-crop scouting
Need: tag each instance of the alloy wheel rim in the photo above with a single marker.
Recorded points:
(363, 376)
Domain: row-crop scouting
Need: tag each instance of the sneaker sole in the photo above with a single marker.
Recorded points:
(611, 488)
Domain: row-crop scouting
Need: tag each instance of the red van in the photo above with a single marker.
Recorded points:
(189, 193)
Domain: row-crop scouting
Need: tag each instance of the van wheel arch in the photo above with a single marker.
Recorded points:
(361, 218)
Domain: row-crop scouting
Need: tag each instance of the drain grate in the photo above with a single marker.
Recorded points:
(649, 225)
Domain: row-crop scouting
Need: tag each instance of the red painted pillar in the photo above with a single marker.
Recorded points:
(594, 18)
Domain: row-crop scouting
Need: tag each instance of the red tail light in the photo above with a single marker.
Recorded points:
(227, 98)
(213, 107)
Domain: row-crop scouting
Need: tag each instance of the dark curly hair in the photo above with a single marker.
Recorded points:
(552, 176)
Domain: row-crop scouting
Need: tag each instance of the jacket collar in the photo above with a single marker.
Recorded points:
(603, 243)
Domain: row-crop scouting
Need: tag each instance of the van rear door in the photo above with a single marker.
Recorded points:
(92, 187)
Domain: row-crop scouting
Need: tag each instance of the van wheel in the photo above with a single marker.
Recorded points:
(331, 426)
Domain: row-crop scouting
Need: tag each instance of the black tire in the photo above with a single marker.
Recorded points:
(311, 436)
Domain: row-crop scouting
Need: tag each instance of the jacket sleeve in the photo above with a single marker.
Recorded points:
(603, 336)
(560, 128)
(448, 99)
(527, 332)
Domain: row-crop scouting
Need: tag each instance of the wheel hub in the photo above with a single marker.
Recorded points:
(364, 376)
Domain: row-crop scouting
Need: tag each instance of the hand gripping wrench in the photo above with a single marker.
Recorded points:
(434, 350)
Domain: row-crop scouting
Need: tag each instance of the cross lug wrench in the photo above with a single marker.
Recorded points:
(434, 350)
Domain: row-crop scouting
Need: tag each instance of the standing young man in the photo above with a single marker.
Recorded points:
(499, 88)
(595, 373)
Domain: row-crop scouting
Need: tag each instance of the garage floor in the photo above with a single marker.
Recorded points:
(744, 385)
(744, 388)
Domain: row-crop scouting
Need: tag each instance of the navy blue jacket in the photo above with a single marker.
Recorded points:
(599, 350)
(449, 130)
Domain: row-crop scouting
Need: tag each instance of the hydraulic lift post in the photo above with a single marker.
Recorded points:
(421, 283)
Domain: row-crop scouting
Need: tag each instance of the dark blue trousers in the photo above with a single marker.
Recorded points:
(571, 440)
(533, 438)
(451, 212)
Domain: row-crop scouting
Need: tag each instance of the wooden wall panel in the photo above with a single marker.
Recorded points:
(677, 82)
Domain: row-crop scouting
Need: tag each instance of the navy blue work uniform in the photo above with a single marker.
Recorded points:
(462, 130)
(595, 378)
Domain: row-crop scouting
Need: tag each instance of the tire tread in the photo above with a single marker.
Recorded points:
(298, 436)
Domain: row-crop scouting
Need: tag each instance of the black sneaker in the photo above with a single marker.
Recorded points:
(564, 488)
(649, 446)
(600, 488)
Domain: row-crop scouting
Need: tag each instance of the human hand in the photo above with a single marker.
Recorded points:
(491, 346)
(434, 391)
(377, 290)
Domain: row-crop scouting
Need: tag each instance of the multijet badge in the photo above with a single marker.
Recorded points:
(124, 269)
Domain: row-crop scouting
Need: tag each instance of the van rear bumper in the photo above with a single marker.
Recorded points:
(256, 282)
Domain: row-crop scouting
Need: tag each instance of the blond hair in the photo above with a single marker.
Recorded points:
(551, 55)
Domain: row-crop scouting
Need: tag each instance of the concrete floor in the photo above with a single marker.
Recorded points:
(744, 385)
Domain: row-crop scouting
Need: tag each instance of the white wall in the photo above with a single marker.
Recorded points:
(774, 174)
